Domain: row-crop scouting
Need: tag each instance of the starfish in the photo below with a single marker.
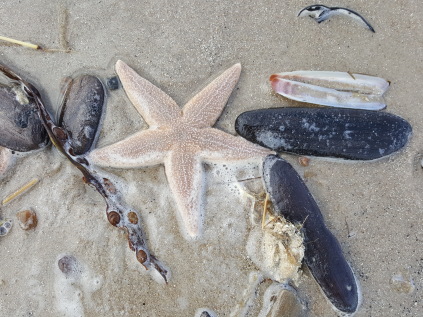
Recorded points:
(181, 139)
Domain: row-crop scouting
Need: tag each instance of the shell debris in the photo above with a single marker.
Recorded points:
(5, 226)
(27, 219)
(282, 300)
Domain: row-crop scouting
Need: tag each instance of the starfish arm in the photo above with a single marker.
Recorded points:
(205, 108)
(155, 106)
(217, 145)
(185, 176)
(147, 147)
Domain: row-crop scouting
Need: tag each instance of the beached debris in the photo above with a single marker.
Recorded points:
(60, 137)
(321, 13)
(26, 187)
(5, 226)
(282, 300)
(27, 219)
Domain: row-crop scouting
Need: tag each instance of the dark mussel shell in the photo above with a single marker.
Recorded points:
(344, 133)
(81, 111)
(323, 255)
(20, 126)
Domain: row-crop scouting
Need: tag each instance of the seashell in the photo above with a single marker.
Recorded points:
(345, 133)
(321, 13)
(282, 300)
(27, 219)
(81, 111)
(335, 89)
(5, 226)
(6, 160)
(323, 255)
(20, 126)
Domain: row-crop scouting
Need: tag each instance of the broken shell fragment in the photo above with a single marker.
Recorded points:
(323, 255)
(344, 133)
(282, 300)
(81, 111)
(20, 126)
(5, 226)
(335, 89)
(27, 219)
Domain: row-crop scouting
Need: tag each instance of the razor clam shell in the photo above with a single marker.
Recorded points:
(336, 89)
(20, 126)
(323, 255)
(81, 111)
(343, 133)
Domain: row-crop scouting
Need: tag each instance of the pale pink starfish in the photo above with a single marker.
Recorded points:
(181, 139)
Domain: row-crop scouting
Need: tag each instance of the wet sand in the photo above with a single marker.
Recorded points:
(373, 208)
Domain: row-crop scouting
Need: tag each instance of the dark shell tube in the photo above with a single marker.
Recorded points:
(20, 126)
(344, 133)
(81, 111)
(323, 255)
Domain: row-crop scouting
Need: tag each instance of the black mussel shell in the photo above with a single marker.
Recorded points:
(344, 133)
(323, 255)
(81, 111)
(20, 126)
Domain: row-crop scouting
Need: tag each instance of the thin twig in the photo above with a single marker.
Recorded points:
(20, 191)
(22, 43)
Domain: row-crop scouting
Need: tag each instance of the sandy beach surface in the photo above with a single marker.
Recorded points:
(373, 208)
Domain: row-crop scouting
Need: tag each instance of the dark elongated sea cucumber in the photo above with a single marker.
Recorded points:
(323, 255)
(344, 133)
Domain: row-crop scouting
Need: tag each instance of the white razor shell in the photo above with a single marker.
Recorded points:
(335, 89)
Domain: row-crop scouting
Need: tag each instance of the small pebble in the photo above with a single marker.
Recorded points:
(27, 219)
(69, 266)
(113, 83)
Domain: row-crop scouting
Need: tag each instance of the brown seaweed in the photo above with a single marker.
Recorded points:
(119, 214)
